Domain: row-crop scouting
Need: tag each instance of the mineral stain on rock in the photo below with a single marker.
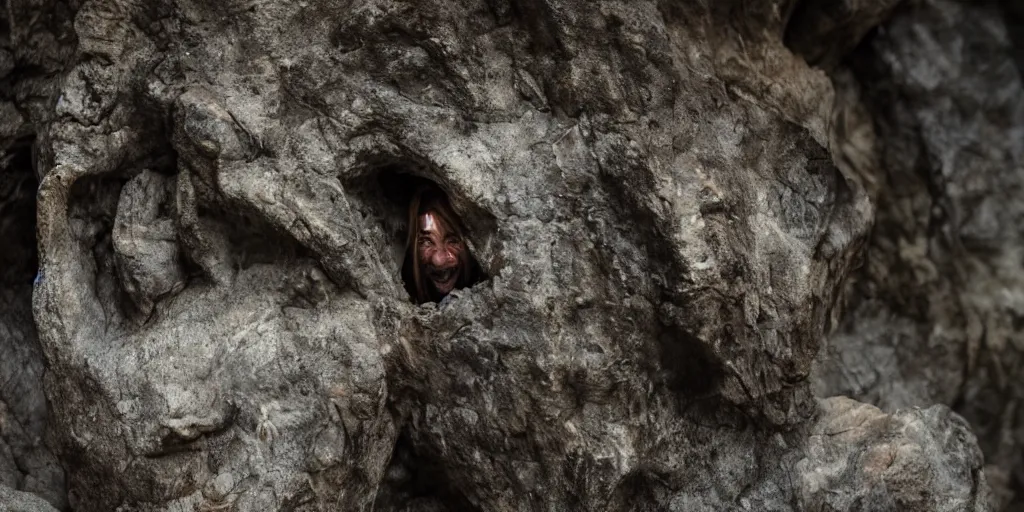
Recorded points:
(680, 230)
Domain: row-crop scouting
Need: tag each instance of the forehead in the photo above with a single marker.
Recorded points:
(431, 221)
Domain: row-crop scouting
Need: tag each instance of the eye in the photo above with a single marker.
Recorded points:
(453, 240)
(426, 242)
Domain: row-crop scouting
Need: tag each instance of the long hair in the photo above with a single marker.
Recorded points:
(432, 199)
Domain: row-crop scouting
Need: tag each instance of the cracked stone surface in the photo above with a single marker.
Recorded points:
(678, 214)
(29, 59)
(859, 458)
(934, 313)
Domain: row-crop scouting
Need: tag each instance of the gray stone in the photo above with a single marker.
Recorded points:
(26, 460)
(933, 315)
(667, 200)
(19, 501)
(859, 458)
(145, 240)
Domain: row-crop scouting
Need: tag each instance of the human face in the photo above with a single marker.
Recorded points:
(440, 252)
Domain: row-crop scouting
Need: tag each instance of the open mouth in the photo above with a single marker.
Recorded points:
(443, 278)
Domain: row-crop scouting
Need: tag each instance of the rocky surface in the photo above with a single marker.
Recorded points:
(669, 202)
(26, 463)
(21, 501)
(934, 314)
(859, 458)
(36, 45)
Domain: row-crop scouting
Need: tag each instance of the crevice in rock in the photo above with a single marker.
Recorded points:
(825, 32)
(415, 482)
(17, 214)
(1013, 13)
(692, 370)
(383, 194)
(23, 407)
(636, 491)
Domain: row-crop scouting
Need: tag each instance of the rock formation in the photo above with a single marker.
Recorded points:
(701, 221)
(22, 501)
(35, 46)
(934, 314)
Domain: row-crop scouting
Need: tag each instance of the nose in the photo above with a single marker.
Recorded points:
(442, 258)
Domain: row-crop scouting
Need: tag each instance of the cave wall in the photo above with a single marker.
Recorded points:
(26, 461)
(934, 314)
(686, 210)
(36, 45)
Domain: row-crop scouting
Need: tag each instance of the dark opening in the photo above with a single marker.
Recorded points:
(386, 194)
(18, 215)
(637, 492)
(21, 360)
(417, 481)
(1013, 15)
(692, 370)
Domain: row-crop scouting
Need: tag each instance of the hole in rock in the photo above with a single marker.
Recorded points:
(692, 369)
(440, 254)
(415, 481)
(637, 491)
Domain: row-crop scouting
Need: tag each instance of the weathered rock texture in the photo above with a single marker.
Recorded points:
(35, 45)
(862, 459)
(668, 200)
(26, 463)
(935, 314)
(21, 501)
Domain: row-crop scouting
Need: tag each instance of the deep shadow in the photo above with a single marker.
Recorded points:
(254, 241)
(1013, 16)
(18, 260)
(691, 368)
(92, 208)
(24, 411)
(383, 194)
(638, 492)
(414, 482)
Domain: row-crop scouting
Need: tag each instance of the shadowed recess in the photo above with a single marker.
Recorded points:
(18, 215)
(384, 194)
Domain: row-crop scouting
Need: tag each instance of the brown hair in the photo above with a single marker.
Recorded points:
(432, 199)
